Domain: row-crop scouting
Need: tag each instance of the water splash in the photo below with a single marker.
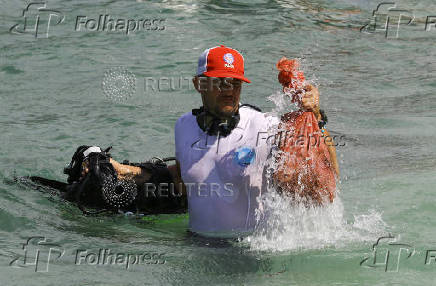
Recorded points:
(284, 224)
(282, 104)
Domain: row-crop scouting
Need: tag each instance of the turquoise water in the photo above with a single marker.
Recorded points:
(378, 93)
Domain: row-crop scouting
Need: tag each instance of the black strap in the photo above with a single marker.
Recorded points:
(217, 126)
(323, 120)
(250, 105)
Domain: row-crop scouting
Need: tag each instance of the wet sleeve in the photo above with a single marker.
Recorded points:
(271, 150)
(177, 138)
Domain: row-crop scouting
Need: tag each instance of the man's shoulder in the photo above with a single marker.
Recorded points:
(184, 126)
(184, 118)
(258, 116)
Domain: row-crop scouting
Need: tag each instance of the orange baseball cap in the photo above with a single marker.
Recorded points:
(222, 61)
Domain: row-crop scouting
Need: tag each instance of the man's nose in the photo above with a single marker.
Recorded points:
(226, 90)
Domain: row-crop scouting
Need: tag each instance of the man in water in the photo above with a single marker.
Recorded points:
(221, 148)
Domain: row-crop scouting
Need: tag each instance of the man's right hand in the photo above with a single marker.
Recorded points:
(85, 168)
(122, 171)
(137, 174)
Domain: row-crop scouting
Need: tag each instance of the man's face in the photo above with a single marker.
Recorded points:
(220, 95)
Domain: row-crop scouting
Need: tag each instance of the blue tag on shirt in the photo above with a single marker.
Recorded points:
(244, 156)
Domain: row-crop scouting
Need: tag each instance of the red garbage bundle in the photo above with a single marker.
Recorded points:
(304, 167)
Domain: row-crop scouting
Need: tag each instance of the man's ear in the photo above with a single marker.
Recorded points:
(197, 85)
(196, 82)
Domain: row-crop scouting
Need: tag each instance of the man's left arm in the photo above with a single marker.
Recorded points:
(310, 102)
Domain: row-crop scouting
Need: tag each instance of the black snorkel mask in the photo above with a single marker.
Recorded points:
(216, 127)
